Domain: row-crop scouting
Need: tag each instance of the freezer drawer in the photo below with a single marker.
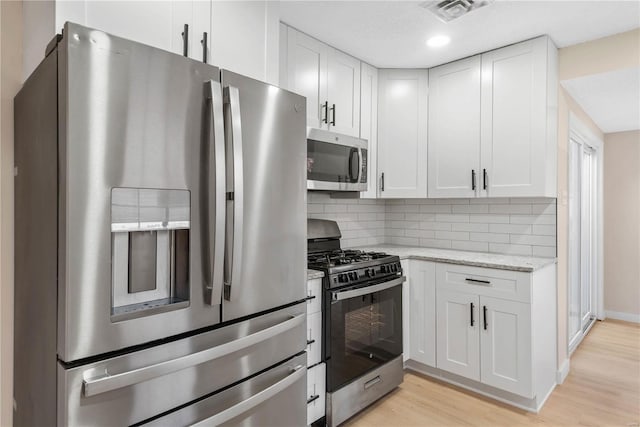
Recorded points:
(135, 387)
(273, 398)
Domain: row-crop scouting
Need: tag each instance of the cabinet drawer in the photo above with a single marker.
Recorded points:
(314, 338)
(506, 284)
(316, 393)
(314, 293)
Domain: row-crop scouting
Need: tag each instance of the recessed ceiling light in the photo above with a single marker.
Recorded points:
(438, 41)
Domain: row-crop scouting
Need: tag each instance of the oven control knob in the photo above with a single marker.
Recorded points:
(341, 278)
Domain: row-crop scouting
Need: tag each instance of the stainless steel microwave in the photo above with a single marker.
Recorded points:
(336, 162)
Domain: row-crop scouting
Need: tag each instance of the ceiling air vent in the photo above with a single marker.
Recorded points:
(448, 10)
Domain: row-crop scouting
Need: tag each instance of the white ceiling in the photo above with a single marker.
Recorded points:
(612, 100)
(392, 34)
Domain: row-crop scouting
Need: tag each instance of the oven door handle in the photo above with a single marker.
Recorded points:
(340, 295)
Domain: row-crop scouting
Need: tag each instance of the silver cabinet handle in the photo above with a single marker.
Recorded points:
(235, 207)
(216, 201)
(246, 405)
(107, 382)
(340, 295)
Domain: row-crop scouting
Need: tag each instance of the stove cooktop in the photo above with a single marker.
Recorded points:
(349, 266)
(342, 257)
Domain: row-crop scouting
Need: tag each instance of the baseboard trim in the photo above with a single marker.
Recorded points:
(562, 373)
(619, 315)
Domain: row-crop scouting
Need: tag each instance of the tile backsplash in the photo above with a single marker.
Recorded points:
(518, 226)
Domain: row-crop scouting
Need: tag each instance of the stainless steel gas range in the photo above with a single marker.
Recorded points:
(362, 321)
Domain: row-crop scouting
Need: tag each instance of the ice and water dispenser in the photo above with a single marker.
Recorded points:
(149, 251)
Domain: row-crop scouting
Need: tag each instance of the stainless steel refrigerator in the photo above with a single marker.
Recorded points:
(160, 241)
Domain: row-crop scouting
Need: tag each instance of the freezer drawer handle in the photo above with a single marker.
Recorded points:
(106, 382)
(298, 373)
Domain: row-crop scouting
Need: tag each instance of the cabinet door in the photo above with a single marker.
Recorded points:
(369, 125)
(423, 312)
(402, 133)
(343, 93)
(505, 340)
(458, 339)
(158, 24)
(514, 119)
(454, 129)
(406, 312)
(244, 37)
(307, 75)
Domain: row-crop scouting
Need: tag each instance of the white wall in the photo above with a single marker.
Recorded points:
(622, 225)
(11, 79)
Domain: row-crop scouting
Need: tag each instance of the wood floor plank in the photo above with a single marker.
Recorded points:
(602, 389)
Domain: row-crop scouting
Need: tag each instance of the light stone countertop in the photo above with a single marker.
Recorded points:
(476, 259)
(314, 274)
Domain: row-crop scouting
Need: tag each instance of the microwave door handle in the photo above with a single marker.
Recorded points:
(360, 163)
(353, 177)
(235, 197)
(216, 201)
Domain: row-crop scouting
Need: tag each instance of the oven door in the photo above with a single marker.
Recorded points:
(364, 330)
(336, 162)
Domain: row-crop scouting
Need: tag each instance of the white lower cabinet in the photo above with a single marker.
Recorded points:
(505, 343)
(494, 330)
(458, 334)
(314, 338)
(422, 314)
(316, 392)
(406, 310)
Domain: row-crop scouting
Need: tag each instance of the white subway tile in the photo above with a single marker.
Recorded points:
(532, 200)
(510, 209)
(335, 208)
(452, 218)
(435, 208)
(395, 232)
(404, 224)
(314, 208)
(433, 243)
(544, 230)
(470, 246)
(463, 226)
(502, 248)
(543, 209)
(452, 235)
(510, 228)
(544, 251)
(366, 216)
(452, 201)
(429, 225)
(477, 209)
(528, 239)
(489, 237)
(489, 219)
(394, 216)
(533, 219)
(423, 234)
(403, 208)
(408, 241)
(488, 200)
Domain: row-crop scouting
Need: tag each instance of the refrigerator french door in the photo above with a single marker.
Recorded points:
(160, 214)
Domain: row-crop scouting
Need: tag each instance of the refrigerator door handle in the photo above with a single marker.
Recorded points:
(104, 383)
(236, 195)
(216, 202)
(296, 374)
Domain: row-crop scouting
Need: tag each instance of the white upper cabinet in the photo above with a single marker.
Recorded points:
(493, 123)
(244, 38)
(307, 74)
(156, 23)
(454, 129)
(328, 78)
(369, 125)
(402, 133)
(519, 119)
(343, 93)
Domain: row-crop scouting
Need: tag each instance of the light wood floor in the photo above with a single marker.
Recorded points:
(602, 389)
